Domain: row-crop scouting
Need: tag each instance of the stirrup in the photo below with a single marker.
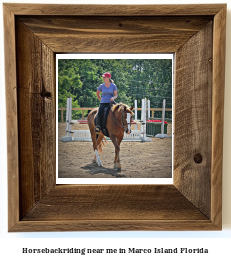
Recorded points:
(97, 129)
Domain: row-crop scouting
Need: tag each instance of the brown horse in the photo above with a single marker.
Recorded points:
(118, 121)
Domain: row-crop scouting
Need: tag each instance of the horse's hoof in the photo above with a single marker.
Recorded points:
(118, 169)
(93, 160)
(117, 166)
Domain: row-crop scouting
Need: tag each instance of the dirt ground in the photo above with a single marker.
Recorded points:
(138, 159)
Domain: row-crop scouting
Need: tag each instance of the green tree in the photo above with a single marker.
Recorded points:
(134, 78)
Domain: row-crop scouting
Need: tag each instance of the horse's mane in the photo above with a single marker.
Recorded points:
(120, 106)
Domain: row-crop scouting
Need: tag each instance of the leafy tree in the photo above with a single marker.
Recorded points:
(134, 78)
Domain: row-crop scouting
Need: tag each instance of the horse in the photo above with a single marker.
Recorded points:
(118, 120)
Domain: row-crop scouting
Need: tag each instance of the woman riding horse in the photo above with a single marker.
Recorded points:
(118, 121)
(109, 94)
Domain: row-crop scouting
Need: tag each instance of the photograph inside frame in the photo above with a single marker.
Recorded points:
(114, 118)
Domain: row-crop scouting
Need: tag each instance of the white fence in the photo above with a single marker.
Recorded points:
(84, 135)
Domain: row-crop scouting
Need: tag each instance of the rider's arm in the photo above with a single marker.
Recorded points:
(98, 94)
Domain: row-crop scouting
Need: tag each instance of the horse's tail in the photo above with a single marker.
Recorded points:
(101, 144)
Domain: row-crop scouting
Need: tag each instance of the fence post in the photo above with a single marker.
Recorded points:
(162, 135)
(68, 116)
(82, 114)
(135, 113)
(148, 109)
(143, 118)
(163, 116)
(61, 115)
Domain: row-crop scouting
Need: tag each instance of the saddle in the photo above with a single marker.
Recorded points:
(104, 119)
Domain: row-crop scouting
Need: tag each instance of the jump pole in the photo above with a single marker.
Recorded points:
(85, 135)
(162, 135)
(143, 119)
(68, 137)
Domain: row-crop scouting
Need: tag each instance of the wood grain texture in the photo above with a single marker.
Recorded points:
(98, 202)
(114, 34)
(114, 225)
(194, 201)
(218, 114)
(11, 117)
(36, 96)
(193, 115)
(115, 10)
(111, 207)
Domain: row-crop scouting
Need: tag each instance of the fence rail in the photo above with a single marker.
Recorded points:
(89, 109)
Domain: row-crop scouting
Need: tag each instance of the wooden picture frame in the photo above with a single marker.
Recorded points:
(33, 34)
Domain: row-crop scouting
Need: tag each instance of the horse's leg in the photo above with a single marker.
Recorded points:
(96, 142)
(96, 155)
(117, 157)
(93, 137)
(117, 150)
(98, 159)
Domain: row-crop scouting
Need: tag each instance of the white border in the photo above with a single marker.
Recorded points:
(109, 180)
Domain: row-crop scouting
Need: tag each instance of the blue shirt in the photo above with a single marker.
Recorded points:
(107, 92)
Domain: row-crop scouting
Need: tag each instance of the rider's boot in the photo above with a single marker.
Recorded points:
(97, 128)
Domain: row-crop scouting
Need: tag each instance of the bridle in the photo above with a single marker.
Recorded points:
(122, 120)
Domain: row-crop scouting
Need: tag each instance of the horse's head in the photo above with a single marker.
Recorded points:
(123, 114)
(128, 112)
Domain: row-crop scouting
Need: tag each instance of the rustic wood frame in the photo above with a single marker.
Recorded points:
(33, 34)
